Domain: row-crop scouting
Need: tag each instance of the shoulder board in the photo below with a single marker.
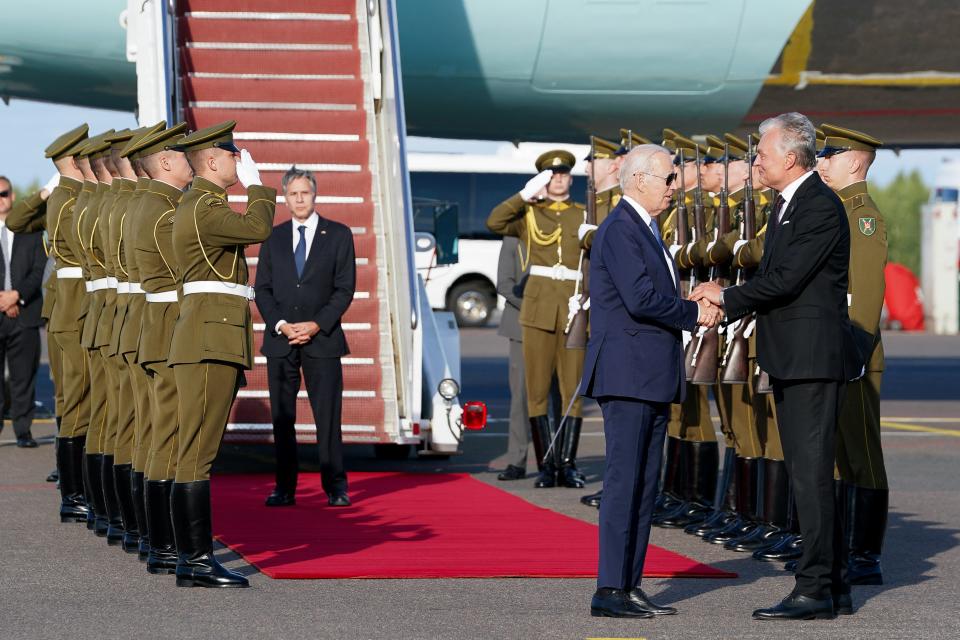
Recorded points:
(615, 200)
(857, 201)
(213, 201)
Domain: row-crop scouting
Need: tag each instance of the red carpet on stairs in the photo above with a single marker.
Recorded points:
(408, 525)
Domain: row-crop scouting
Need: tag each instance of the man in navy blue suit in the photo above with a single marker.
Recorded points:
(634, 369)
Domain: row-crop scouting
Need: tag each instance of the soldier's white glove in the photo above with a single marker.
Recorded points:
(51, 185)
(573, 306)
(247, 171)
(737, 245)
(674, 248)
(586, 305)
(584, 230)
(536, 183)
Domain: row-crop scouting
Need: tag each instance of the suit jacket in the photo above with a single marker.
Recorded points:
(636, 315)
(800, 290)
(321, 294)
(511, 280)
(27, 261)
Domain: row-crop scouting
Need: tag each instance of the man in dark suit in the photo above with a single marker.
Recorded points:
(22, 260)
(306, 276)
(805, 344)
(634, 368)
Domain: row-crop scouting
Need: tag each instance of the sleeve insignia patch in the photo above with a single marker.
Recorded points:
(213, 202)
(868, 226)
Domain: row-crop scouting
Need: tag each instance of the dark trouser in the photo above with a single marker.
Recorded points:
(20, 348)
(634, 432)
(519, 440)
(808, 411)
(324, 381)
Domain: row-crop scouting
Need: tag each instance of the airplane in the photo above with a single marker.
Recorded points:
(558, 70)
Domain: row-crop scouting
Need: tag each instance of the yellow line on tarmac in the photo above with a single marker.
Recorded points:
(915, 427)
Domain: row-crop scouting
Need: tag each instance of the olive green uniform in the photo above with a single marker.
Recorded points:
(129, 343)
(859, 451)
(70, 308)
(549, 230)
(213, 337)
(157, 265)
(606, 201)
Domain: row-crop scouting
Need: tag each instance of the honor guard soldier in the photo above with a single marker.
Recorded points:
(546, 221)
(151, 241)
(213, 338)
(846, 158)
(603, 167)
(692, 453)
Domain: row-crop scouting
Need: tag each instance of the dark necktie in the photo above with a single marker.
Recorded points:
(777, 205)
(300, 253)
(656, 232)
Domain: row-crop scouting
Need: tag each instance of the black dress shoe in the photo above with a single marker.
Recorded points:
(512, 472)
(798, 607)
(615, 603)
(547, 478)
(26, 441)
(280, 499)
(592, 500)
(639, 598)
(340, 499)
(843, 604)
(790, 567)
(54, 476)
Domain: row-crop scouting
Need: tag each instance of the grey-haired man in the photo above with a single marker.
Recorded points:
(306, 275)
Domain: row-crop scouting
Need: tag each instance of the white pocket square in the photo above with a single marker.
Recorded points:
(785, 223)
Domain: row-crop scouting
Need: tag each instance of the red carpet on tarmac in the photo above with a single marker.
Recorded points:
(409, 525)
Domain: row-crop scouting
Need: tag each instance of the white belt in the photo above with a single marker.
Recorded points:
(215, 286)
(134, 287)
(112, 283)
(164, 296)
(557, 272)
(97, 285)
(70, 272)
(123, 287)
(88, 286)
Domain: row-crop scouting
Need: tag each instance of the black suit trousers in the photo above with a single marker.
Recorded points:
(807, 414)
(20, 350)
(324, 382)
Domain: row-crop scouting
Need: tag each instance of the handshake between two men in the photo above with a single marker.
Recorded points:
(709, 296)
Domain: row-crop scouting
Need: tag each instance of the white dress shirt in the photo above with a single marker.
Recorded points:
(311, 225)
(788, 191)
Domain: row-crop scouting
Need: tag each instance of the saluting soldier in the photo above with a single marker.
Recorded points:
(692, 453)
(127, 334)
(546, 221)
(151, 243)
(129, 491)
(62, 328)
(846, 158)
(213, 337)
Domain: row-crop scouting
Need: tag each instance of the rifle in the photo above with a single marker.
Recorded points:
(577, 326)
(708, 352)
(700, 229)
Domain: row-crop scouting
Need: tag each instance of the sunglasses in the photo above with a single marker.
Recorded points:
(5, 193)
(668, 179)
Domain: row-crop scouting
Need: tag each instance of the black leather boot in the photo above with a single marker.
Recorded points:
(866, 526)
(773, 512)
(790, 548)
(139, 499)
(94, 475)
(111, 502)
(747, 484)
(73, 505)
(671, 496)
(196, 564)
(162, 557)
(723, 503)
(593, 499)
(700, 483)
(88, 492)
(568, 475)
(123, 481)
(542, 437)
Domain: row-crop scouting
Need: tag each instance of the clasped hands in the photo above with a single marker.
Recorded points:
(707, 295)
(299, 333)
(9, 303)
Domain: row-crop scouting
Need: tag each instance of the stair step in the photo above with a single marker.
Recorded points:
(361, 310)
(362, 345)
(343, 62)
(194, 29)
(326, 92)
(346, 122)
(356, 411)
(298, 6)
